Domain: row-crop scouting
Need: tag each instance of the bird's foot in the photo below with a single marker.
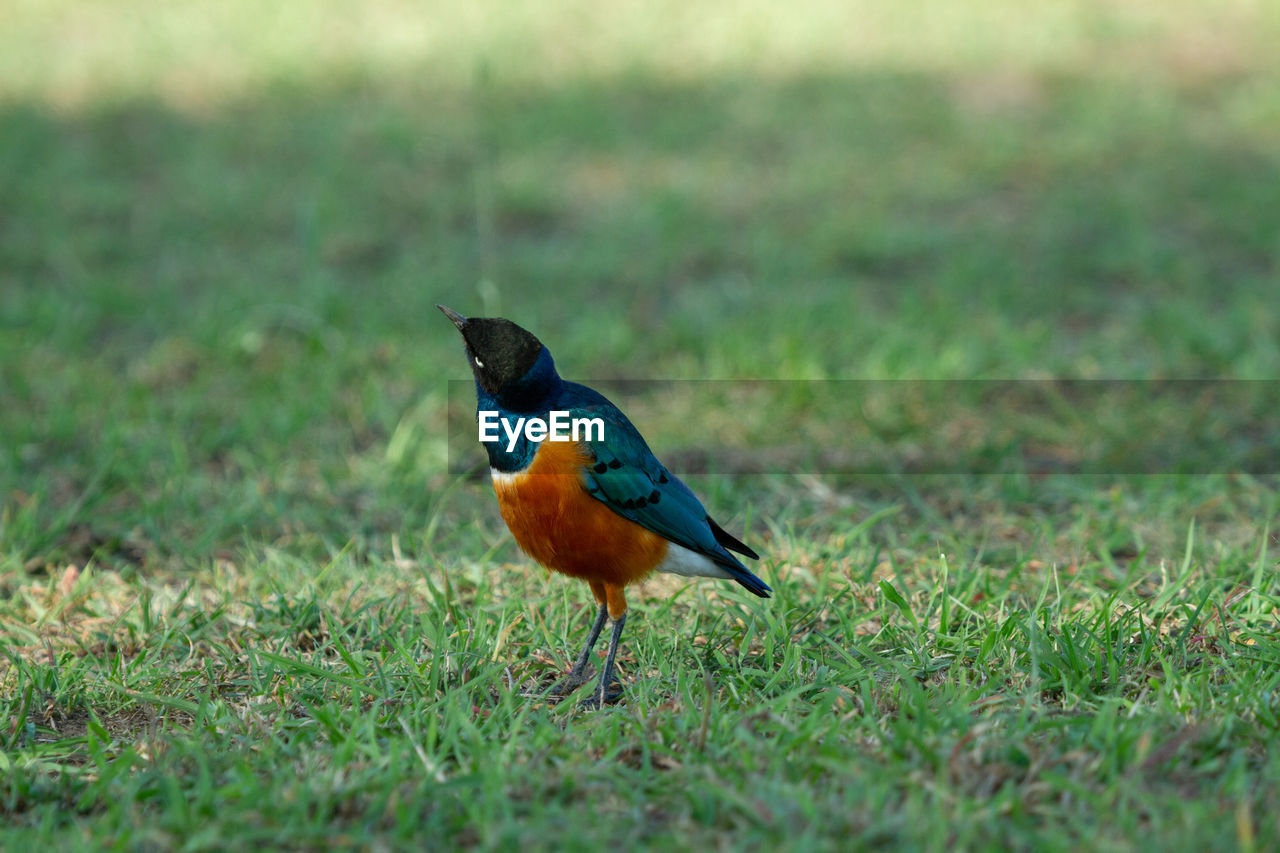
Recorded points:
(568, 684)
(612, 695)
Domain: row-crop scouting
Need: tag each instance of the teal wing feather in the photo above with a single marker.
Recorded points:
(625, 475)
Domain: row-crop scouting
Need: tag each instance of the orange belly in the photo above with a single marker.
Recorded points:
(557, 523)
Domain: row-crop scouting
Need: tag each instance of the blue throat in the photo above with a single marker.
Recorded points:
(531, 395)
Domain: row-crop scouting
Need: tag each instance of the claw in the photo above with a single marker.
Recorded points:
(568, 684)
(598, 699)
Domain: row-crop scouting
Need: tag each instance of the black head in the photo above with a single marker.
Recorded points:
(499, 351)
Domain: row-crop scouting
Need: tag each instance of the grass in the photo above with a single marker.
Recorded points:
(252, 595)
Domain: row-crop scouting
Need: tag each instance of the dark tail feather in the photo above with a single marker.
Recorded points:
(729, 542)
(753, 584)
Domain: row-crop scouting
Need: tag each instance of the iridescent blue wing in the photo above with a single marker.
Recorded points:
(625, 475)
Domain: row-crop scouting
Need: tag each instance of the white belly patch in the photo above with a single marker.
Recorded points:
(681, 561)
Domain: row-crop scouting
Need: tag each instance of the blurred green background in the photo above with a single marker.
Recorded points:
(223, 230)
(245, 600)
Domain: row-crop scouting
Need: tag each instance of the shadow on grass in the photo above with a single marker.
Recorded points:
(219, 327)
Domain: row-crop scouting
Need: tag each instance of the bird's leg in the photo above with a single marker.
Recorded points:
(608, 691)
(578, 675)
(580, 666)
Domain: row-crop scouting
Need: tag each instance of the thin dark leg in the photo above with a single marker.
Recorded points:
(578, 675)
(581, 666)
(603, 695)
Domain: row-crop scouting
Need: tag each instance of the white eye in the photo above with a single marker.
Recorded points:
(479, 363)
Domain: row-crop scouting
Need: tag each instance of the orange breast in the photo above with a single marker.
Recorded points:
(558, 524)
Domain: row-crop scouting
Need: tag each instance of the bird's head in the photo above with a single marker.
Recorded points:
(508, 361)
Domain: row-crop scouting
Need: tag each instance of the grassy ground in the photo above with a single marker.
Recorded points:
(247, 600)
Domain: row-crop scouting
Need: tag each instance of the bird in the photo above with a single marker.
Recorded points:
(601, 508)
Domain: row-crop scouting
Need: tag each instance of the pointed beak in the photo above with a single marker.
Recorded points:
(454, 317)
